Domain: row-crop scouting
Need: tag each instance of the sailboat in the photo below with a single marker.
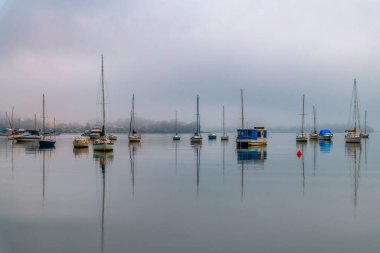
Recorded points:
(249, 137)
(314, 134)
(353, 135)
(224, 137)
(45, 142)
(301, 137)
(103, 144)
(133, 136)
(176, 137)
(197, 137)
(365, 135)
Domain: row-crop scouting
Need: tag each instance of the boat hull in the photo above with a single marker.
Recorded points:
(301, 137)
(313, 136)
(37, 139)
(104, 147)
(325, 137)
(212, 137)
(224, 138)
(176, 138)
(196, 139)
(364, 135)
(134, 138)
(45, 144)
(353, 139)
(250, 143)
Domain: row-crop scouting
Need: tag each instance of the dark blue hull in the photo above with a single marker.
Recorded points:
(47, 144)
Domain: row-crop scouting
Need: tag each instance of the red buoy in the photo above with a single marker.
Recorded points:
(299, 154)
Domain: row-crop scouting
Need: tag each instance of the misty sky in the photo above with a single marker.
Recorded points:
(168, 51)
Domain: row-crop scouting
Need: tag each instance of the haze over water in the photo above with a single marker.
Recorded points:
(163, 196)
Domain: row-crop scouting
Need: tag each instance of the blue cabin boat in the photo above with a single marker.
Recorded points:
(251, 137)
(325, 135)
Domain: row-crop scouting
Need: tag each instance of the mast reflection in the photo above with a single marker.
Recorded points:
(353, 151)
(104, 159)
(302, 148)
(255, 156)
(197, 154)
(133, 146)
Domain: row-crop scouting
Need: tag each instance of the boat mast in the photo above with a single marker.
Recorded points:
(35, 122)
(365, 122)
(303, 113)
(176, 132)
(43, 115)
(103, 103)
(242, 109)
(133, 113)
(198, 123)
(224, 132)
(315, 123)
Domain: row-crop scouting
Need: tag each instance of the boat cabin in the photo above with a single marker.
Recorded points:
(251, 137)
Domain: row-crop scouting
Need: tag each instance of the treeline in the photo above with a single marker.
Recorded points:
(150, 126)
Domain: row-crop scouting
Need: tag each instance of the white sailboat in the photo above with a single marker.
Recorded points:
(197, 137)
(224, 137)
(176, 137)
(301, 137)
(314, 134)
(103, 144)
(353, 135)
(133, 136)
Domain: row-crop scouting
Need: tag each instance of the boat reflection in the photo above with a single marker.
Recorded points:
(133, 147)
(250, 156)
(353, 152)
(302, 147)
(197, 154)
(78, 152)
(256, 155)
(104, 159)
(325, 146)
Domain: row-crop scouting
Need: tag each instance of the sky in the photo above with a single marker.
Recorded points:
(168, 51)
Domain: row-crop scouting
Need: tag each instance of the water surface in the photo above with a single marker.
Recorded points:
(165, 196)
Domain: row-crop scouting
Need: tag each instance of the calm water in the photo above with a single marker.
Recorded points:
(162, 196)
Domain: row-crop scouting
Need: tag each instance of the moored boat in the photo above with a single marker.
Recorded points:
(103, 143)
(197, 137)
(176, 137)
(28, 136)
(46, 142)
(224, 137)
(80, 142)
(301, 137)
(212, 136)
(325, 135)
(133, 136)
(94, 133)
(353, 135)
(247, 137)
(313, 135)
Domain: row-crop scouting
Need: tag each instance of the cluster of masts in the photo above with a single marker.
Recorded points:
(353, 135)
(245, 138)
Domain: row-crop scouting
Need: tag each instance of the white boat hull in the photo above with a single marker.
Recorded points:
(27, 138)
(196, 138)
(301, 137)
(103, 147)
(353, 139)
(134, 138)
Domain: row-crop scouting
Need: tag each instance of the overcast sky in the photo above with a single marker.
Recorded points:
(168, 51)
